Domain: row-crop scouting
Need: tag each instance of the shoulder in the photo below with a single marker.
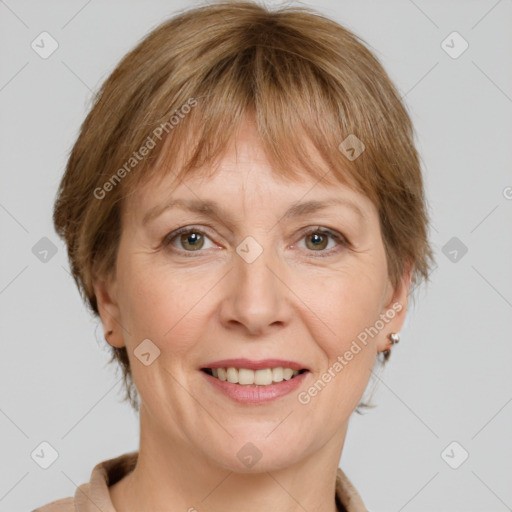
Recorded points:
(96, 490)
(60, 505)
(347, 494)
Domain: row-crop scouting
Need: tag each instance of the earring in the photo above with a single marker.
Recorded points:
(393, 338)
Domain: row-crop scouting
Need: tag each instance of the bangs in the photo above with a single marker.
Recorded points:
(299, 115)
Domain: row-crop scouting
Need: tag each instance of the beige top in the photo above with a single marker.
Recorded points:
(94, 495)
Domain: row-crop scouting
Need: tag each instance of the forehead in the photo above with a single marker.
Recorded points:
(243, 177)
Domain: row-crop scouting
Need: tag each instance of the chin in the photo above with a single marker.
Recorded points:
(257, 453)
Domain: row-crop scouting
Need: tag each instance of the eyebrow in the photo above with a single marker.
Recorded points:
(213, 209)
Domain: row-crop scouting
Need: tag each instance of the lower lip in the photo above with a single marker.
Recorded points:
(252, 394)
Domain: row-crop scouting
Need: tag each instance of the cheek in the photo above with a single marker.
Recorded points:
(351, 302)
(163, 305)
(348, 306)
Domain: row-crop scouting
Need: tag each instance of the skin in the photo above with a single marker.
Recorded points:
(289, 303)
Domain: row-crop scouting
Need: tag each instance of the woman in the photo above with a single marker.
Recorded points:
(244, 210)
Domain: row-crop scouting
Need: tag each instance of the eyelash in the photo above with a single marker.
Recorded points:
(339, 238)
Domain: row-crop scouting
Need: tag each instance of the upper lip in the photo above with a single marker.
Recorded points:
(256, 365)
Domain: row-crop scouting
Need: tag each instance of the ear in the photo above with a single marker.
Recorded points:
(395, 307)
(105, 289)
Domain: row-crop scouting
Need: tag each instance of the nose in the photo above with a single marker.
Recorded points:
(256, 297)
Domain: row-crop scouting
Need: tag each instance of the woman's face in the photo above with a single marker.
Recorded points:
(250, 283)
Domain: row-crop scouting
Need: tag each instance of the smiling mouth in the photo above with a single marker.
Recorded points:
(247, 377)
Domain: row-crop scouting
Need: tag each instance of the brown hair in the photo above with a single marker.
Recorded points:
(189, 84)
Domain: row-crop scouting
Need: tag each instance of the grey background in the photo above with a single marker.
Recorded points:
(448, 380)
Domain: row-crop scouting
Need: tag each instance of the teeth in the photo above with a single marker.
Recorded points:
(277, 374)
(287, 373)
(244, 376)
(232, 375)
